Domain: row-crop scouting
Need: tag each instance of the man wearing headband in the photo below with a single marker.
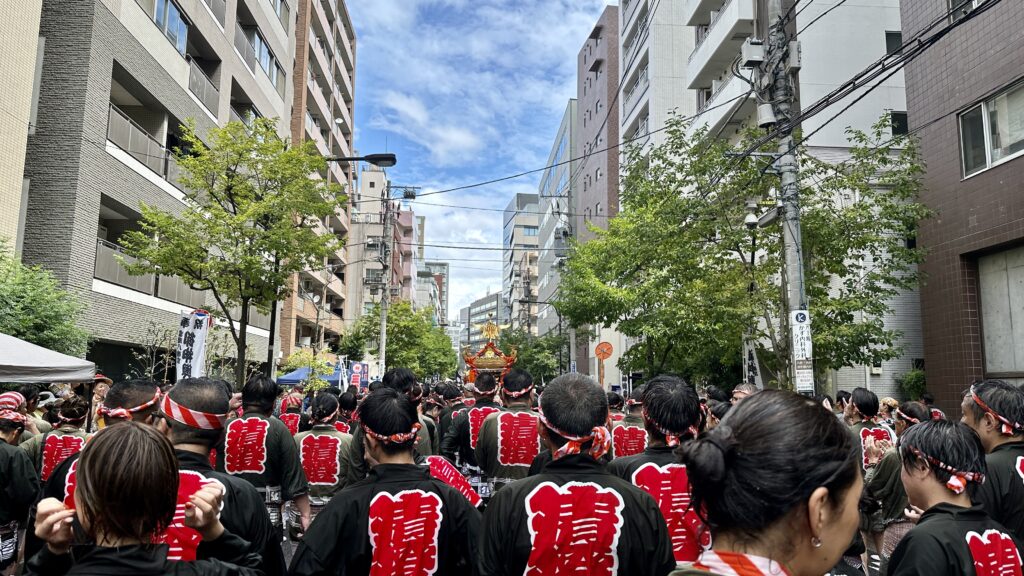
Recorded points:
(399, 520)
(671, 414)
(403, 381)
(628, 434)
(453, 395)
(20, 485)
(14, 402)
(995, 410)
(509, 440)
(49, 449)
(574, 517)
(322, 451)
(615, 406)
(193, 414)
(459, 443)
(943, 463)
(259, 449)
(862, 410)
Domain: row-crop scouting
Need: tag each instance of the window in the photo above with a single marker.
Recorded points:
(373, 184)
(963, 7)
(900, 124)
(169, 20)
(597, 107)
(598, 210)
(993, 131)
(530, 231)
(1001, 314)
(597, 174)
(893, 42)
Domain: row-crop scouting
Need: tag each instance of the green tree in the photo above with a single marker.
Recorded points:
(413, 342)
(33, 307)
(250, 221)
(537, 355)
(318, 366)
(674, 269)
(352, 344)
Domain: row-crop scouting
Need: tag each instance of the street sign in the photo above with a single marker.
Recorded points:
(603, 351)
(572, 367)
(803, 352)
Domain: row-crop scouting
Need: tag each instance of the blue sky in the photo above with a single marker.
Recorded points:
(465, 91)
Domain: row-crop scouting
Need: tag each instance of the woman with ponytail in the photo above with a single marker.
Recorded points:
(778, 484)
(322, 452)
(398, 520)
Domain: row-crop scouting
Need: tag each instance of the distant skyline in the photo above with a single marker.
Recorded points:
(465, 92)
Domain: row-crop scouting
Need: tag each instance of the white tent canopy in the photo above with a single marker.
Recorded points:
(22, 361)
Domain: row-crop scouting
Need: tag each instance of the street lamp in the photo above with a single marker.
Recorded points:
(386, 160)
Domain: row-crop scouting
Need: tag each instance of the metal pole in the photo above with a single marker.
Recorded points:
(386, 277)
(789, 168)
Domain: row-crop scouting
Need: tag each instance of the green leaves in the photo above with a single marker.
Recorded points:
(413, 341)
(538, 355)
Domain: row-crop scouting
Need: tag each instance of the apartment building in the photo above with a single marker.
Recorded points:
(488, 308)
(558, 202)
(323, 80)
(19, 45)
(117, 80)
(966, 111)
(519, 260)
(834, 45)
(653, 35)
(428, 296)
(441, 272)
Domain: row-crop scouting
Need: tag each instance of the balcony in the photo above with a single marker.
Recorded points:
(316, 134)
(715, 114)
(324, 22)
(635, 92)
(219, 9)
(636, 43)
(245, 49)
(322, 107)
(721, 45)
(203, 88)
(320, 54)
(629, 9)
(108, 268)
(127, 135)
(698, 12)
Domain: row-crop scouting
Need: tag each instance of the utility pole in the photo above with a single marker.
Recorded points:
(409, 193)
(779, 50)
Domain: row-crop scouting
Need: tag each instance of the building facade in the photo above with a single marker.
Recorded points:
(19, 46)
(520, 243)
(489, 308)
(117, 80)
(966, 112)
(441, 272)
(323, 80)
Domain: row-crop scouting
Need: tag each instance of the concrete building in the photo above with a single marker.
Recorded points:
(653, 40)
(519, 260)
(19, 46)
(117, 80)
(323, 77)
(833, 49)
(491, 307)
(441, 273)
(558, 221)
(966, 111)
(428, 296)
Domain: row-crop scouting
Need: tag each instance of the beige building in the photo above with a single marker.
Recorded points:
(19, 43)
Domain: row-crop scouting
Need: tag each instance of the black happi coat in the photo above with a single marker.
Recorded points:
(952, 540)
(280, 457)
(339, 540)
(541, 521)
(356, 468)
(458, 440)
(19, 483)
(1002, 494)
(444, 420)
(625, 466)
(243, 512)
(226, 556)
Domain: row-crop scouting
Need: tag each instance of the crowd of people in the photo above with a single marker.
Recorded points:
(504, 476)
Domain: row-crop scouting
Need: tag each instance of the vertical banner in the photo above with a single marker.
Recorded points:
(803, 351)
(192, 333)
(751, 369)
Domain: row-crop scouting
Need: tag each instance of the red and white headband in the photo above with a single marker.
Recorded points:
(520, 393)
(600, 439)
(671, 438)
(13, 416)
(127, 413)
(632, 402)
(11, 400)
(394, 438)
(958, 479)
(905, 417)
(1007, 427)
(191, 418)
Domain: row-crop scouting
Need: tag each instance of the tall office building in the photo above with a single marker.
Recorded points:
(519, 255)
(488, 308)
(323, 79)
(441, 273)
(117, 81)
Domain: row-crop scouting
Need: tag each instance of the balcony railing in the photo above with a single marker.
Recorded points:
(714, 20)
(109, 268)
(204, 88)
(636, 90)
(245, 48)
(133, 139)
(219, 9)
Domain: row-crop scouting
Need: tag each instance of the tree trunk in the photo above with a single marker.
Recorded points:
(241, 344)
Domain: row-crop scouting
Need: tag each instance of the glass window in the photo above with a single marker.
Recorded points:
(1006, 121)
(893, 42)
(899, 122)
(169, 20)
(972, 140)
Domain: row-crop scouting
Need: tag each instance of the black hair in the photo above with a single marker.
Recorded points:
(670, 404)
(73, 409)
(865, 401)
(30, 392)
(615, 400)
(131, 393)
(716, 393)
(954, 444)
(387, 411)
(210, 395)
(719, 409)
(915, 410)
(401, 379)
(1003, 398)
(486, 382)
(843, 397)
(374, 386)
(260, 392)
(347, 401)
(744, 474)
(334, 390)
(821, 398)
(449, 391)
(516, 381)
(927, 398)
(575, 404)
(324, 405)
(9, 425)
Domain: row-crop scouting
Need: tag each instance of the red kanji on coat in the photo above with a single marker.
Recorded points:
(618, 417)
(70, 481)
(518, 441)
(291, 420)
(476, 420)
(57, 449)
(670, 487)
(343, 427)
(245, 446)
(181, 540)
(878, 434)
(319, 456)
(994, 554)
(404, 530)
(628, 440)
(574, 529)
